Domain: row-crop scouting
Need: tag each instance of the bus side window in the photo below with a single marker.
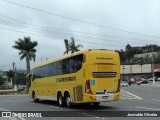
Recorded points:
(58, 68)
(78, 62)
(71, 65)
(38, 72)
(67, 66)
(64, 62)
(47, 70)
(74, 63)
(52, 69)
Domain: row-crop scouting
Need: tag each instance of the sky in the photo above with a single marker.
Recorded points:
(96, 24)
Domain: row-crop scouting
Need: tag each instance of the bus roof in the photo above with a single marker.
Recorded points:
(66, 56)
(57, 59)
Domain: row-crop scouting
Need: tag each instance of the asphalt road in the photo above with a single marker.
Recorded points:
(133, 98)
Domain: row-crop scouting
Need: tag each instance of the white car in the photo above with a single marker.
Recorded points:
(151, 79)
(124, 84)
(158, 79)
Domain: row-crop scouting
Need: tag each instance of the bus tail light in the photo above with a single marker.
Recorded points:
(88, 87)
(119, 87)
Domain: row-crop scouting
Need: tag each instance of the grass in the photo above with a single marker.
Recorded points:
(12, 92)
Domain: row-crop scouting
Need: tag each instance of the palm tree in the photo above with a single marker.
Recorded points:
(66, 45)
(27, 51)
(71, 46)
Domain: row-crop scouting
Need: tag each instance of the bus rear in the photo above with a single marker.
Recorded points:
(102, 76)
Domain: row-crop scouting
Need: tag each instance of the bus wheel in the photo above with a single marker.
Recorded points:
(68, 100)
(60, 99)
(34, 97)
(96, 103)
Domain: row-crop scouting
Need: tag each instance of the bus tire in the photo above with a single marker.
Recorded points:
(96, 103)
(68, 100)
(60, 99)
(34, 97)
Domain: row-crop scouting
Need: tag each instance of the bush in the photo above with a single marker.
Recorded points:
(7, 92)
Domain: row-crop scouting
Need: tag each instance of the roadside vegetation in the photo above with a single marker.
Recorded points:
(27, 51)
(12, 92)
(71, 46)
(127, 55)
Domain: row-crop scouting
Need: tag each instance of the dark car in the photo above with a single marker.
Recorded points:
(142, 82)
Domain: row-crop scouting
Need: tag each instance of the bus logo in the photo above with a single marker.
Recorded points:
(103, 58)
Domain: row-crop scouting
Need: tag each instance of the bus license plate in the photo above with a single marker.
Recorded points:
(104, 97)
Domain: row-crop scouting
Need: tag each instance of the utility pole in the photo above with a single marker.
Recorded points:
(15, 77)
(153, 67)
(14, 66)
(130, 70)
(41, 57)
(123, 72)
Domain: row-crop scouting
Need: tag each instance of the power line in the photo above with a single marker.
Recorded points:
(2, 66)
(82, 21)
(61, 33)
(50, 29)
(54, 37)
(66, 29)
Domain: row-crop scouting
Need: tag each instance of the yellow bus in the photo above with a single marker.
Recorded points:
(89, 76)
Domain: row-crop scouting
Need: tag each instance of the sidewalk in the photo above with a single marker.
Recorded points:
(7, 90)
(157, 84)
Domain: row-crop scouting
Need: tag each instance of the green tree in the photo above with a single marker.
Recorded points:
(1, 81)
(71, 46)
(128, 47)
(122, 55)
(10, 74)
(127, 56)
(26, 50)
(129, 53)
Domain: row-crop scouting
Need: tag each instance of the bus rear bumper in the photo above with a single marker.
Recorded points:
(105, 97)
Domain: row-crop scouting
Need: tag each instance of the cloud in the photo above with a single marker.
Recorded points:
(133, 16)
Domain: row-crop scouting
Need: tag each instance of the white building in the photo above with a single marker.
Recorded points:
(136, 69)
(144, 55)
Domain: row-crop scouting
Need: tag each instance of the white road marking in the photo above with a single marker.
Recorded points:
(134, 96)
(146, 108)
(155, 99)
(3, 109)
(127, 98)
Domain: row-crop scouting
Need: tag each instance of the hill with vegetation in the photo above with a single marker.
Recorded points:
(127, 55)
